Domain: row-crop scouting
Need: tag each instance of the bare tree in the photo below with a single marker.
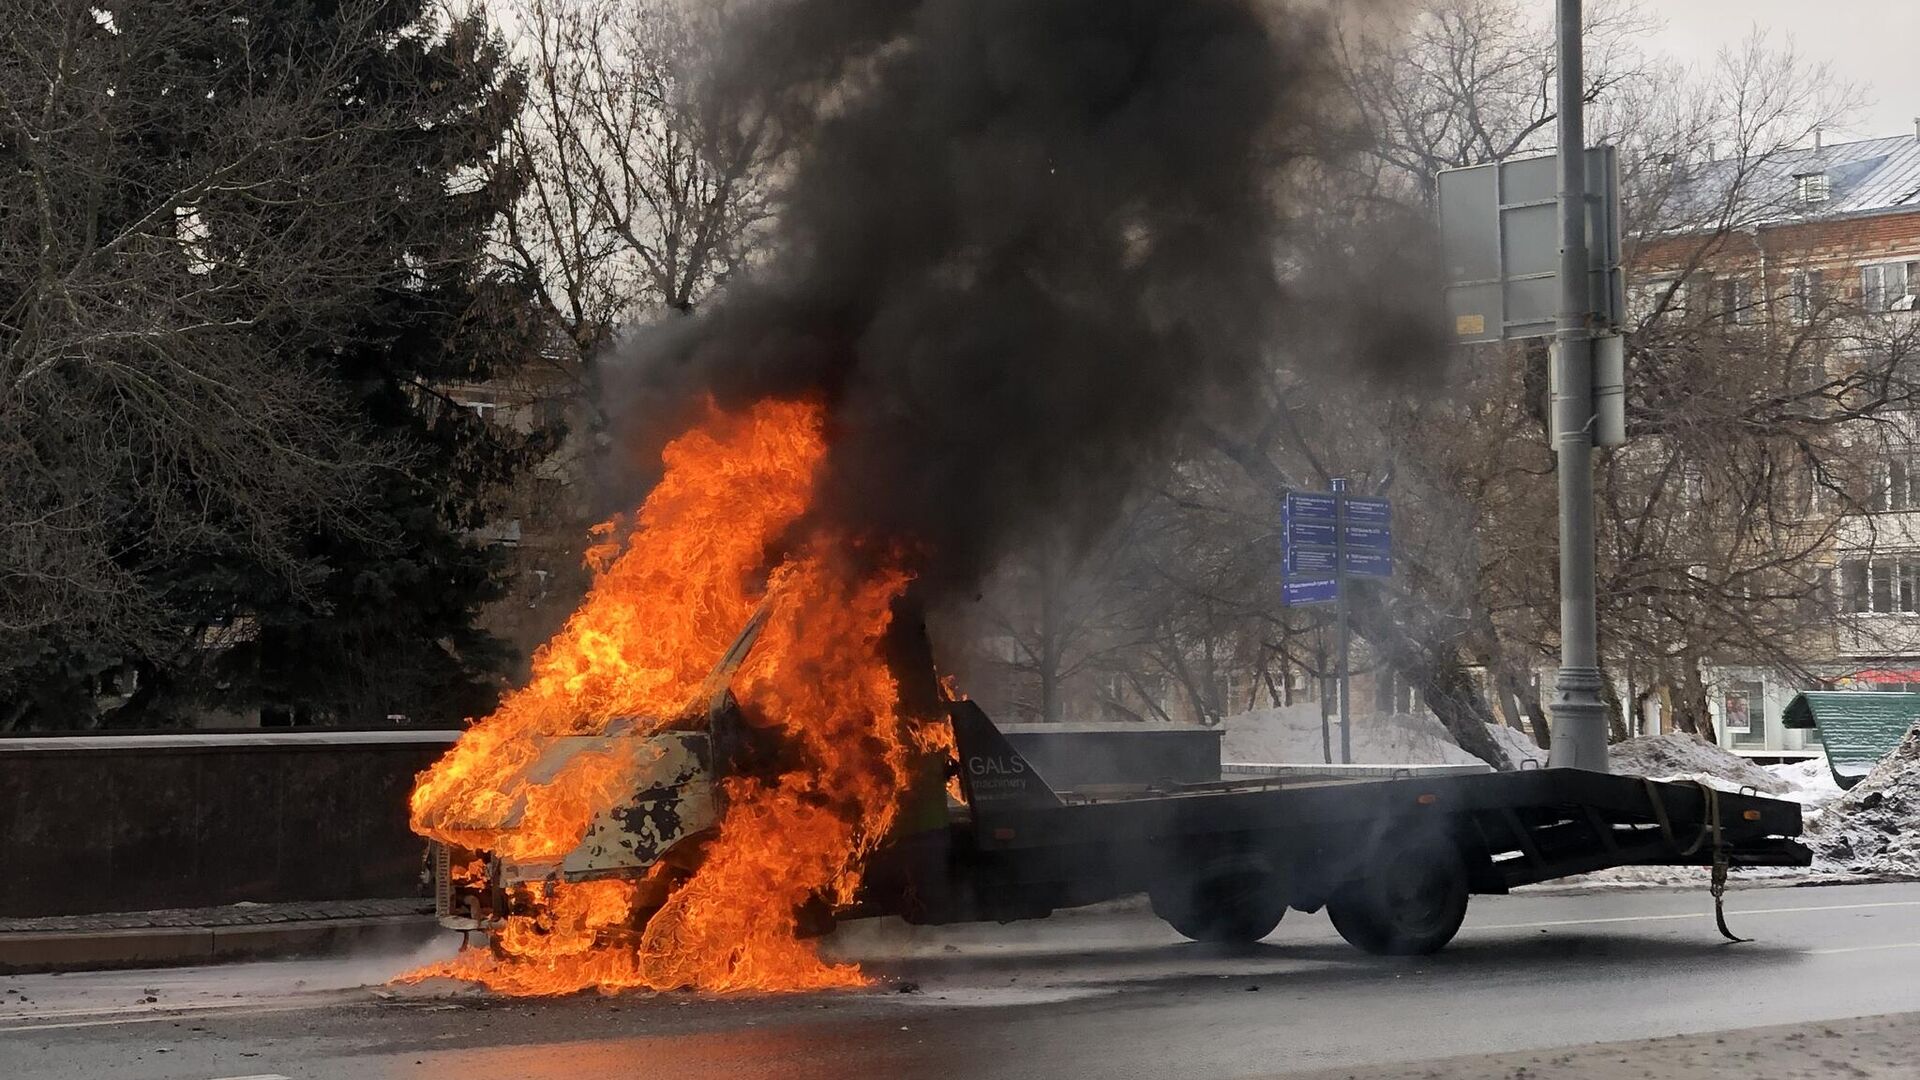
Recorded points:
(1708, 555)
(644, 191)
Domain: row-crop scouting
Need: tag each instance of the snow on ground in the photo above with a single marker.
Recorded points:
(1291, 735)
(1874, 828)
(1809, 783)
(1680, 756)
(1517, 745)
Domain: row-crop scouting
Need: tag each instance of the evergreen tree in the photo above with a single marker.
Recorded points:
(309, 184)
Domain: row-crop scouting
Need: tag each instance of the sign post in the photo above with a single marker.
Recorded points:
(1532, 247)
(1328, 539)
(1579, 711)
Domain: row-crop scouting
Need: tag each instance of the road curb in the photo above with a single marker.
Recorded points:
(23, 952)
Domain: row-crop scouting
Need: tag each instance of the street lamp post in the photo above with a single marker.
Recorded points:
(1579, 711)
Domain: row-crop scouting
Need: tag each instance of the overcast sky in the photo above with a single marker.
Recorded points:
(1870, 42)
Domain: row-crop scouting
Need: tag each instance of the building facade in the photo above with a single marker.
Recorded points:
(1826, 232)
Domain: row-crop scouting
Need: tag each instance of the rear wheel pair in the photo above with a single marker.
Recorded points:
(1235, 900)
(1409, 901)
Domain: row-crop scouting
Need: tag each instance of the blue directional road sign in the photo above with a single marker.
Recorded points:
(1320, 553)
(1297, 593)
(1369, 537)
(1302, 505)
(1305, 560)
(1369, 564)
(1367, 510)
(1312, 532)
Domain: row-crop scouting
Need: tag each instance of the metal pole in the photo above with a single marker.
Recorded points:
(1339, 487)
(1579, 712)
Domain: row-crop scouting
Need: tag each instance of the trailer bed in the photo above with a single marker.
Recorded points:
(1022, 849)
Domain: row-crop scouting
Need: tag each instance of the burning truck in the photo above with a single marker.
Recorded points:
(1394, 862)
(676, 801)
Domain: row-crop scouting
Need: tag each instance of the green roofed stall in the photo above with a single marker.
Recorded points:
(1858, 727)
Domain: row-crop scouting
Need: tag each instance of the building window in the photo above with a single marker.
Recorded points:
(1896, 485)
(1812, 188)
(1880, 587)
(1733, 301)
(1888, 286)
(1808, 294)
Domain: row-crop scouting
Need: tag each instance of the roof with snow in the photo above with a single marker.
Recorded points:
(1872, 176)
(1858, 727)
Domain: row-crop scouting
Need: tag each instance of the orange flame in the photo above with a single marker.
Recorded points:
(669, 596)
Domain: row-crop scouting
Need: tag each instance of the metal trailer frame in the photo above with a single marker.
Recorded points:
(1022, 850)
(1223, 861)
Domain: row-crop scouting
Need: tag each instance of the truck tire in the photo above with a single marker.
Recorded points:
(1409, 902)
(1234, 901)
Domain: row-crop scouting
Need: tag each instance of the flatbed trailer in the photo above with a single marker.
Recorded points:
(1393, 861)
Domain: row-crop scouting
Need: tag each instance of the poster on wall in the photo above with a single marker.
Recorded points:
(1737, 715)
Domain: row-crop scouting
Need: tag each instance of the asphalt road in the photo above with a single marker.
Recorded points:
(1106, 994)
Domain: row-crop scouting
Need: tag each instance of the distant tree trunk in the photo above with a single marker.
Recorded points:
(1616, 715)
(1633, 701)
(1511, 690)
(1436, 672)
(1450, 693)
(1537, 717)
(1690, 713)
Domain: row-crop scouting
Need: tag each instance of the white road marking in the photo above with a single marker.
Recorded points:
(151, 1015)
(255, 1076)
(1697, 915)
(1863, 948)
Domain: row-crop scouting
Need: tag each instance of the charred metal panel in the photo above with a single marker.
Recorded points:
(676, 800)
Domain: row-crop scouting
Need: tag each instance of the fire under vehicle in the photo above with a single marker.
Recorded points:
(1393, 861)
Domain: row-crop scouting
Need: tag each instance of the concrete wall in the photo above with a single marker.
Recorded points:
(139, 822)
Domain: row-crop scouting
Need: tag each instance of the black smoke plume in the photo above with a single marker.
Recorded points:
(1022, 244)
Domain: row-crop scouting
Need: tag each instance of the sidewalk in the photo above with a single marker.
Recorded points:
(208, 935)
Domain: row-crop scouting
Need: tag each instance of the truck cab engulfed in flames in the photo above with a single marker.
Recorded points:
(653, 837)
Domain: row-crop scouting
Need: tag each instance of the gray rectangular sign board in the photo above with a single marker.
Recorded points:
(1500, 239)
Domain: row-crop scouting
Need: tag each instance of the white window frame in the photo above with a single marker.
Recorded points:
(1896, 578)
(1813, 189)
(1882, 289)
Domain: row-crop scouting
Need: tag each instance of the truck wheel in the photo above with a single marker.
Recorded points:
(1232, 902)
(1410, 902)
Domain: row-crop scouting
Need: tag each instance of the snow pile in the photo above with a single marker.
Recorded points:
(1679, 756)
(1809, 783)
(1517, 745)
(1291, 735)
(1875, 827)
